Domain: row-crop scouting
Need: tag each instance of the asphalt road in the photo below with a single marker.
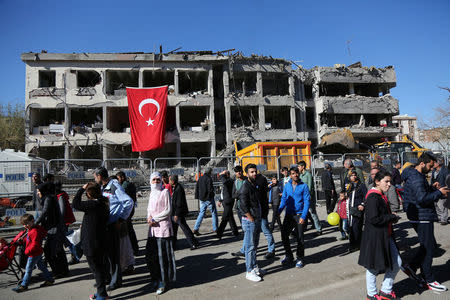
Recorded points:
(211, 271)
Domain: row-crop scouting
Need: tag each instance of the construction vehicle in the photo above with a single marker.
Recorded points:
(407, 144)
(271, 156)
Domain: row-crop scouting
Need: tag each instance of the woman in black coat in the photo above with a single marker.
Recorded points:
(356, 191)
(379, 253)
(93, 233)
(53, 221)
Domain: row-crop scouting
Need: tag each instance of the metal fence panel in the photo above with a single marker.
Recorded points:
(386, 159)
(361, 161)
(186, 169)
(137, 170)
(318, 167)
(292, 160)
(217, 164)
(73, 173)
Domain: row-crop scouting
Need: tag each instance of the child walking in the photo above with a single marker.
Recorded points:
(343, 215)
(34, 250)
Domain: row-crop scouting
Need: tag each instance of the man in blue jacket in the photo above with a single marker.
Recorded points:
(295, 199)
(419, 200)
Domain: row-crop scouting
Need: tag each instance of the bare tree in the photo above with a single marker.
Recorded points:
(12, 127)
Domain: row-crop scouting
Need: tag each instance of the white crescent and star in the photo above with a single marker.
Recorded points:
(149, 101)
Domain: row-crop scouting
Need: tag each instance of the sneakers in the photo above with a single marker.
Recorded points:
(343, 238)
(252, 276)
(375, 297)
(20, 289)
(269, 255)
(161, 288)
(299, 264)
(287, 262)
(95, 297)
(387, 296)
(436, 286)
(193, 247)
(197, 233)
(47, 283)
(238, 254)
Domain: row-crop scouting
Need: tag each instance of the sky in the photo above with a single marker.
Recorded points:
(413, 36)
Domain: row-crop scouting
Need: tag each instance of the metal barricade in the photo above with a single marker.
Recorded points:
(361, 161)
(386, 160)
(137, 170)
(292, 160)
(186, 169)
(16, 188)
(217, 164)
(73, 173)
(410, 157)
(318, 163)
(266, 165)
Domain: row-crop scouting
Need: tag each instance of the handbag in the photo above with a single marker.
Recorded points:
(355, 212)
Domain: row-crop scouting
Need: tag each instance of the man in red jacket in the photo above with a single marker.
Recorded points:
(34, 250)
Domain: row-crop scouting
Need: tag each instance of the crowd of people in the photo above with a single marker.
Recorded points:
(367, 210)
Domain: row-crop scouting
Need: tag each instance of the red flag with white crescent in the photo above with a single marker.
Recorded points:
(147, 113)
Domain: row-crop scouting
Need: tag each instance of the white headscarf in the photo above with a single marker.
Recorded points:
(155, 186)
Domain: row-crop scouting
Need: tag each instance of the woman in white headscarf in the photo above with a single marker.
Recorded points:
(160, 255)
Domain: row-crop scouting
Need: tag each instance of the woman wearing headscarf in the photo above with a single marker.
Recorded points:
(160, 255)
(53, 221)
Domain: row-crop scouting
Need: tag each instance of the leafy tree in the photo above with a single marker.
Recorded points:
(12, 127)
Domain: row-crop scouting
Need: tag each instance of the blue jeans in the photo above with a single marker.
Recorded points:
(207, 204)
(268, 234)
(389, 276)
(343, 227)
(31, 262)
(251, 240)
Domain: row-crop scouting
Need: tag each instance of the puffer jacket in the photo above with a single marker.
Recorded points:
(419, 196)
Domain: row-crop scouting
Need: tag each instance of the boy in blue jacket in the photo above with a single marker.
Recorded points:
(295, 199)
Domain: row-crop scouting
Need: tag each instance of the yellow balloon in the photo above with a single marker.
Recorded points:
(333, 219)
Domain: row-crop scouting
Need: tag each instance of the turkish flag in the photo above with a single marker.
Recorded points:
(147, 113)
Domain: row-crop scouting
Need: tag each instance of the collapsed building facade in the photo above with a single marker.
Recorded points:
(76, 104)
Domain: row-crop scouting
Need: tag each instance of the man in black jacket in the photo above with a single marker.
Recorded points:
(227, 201)
(238, 182)
(328, 188)
(439, 174)
(204, 191)
(179, 212)
(419, 200)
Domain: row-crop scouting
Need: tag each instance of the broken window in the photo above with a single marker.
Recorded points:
(117, 81)
(243, 82)
(119, 151)
(171, 123)
(196, 149)
(194, 118)
(308, 91)
(334, 89)
(244, 116)
(50, 152)
(86, 120)
(218, 81)
(192, 81)
(310, 118)
(42, 118)
(367, 89)
(277, 117)
(377, 120)
(117, 119)
(88, 78)
(341, 120)
(168, 150)
(47, 79)
(86, 152)
(155, 78)
(275, 84)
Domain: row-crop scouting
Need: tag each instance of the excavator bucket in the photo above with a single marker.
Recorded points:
(340, 141)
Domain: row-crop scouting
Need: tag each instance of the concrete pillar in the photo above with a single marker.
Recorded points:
(177, 118)
(226, 84)
(141, 79)
(262, 117)
(291, 86)
(178, 146)
(176, 83)
(213, 148)
(105, 121)
(105, 152)
(351, 88)
(67, 121)
(259, 84)
(66, 151)
(293, 123)
(210, 83)
(228, 123)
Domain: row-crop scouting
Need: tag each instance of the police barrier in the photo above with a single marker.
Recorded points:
(292, 160)
(361, 161)
(73, 173)
(265, 164)
(137, 170)
(318, 162)
(386, 160)
(217, 164)
(186, 169)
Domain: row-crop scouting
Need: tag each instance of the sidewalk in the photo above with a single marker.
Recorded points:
(211, 271)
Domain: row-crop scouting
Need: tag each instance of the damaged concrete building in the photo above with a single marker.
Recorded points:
(76, 105)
